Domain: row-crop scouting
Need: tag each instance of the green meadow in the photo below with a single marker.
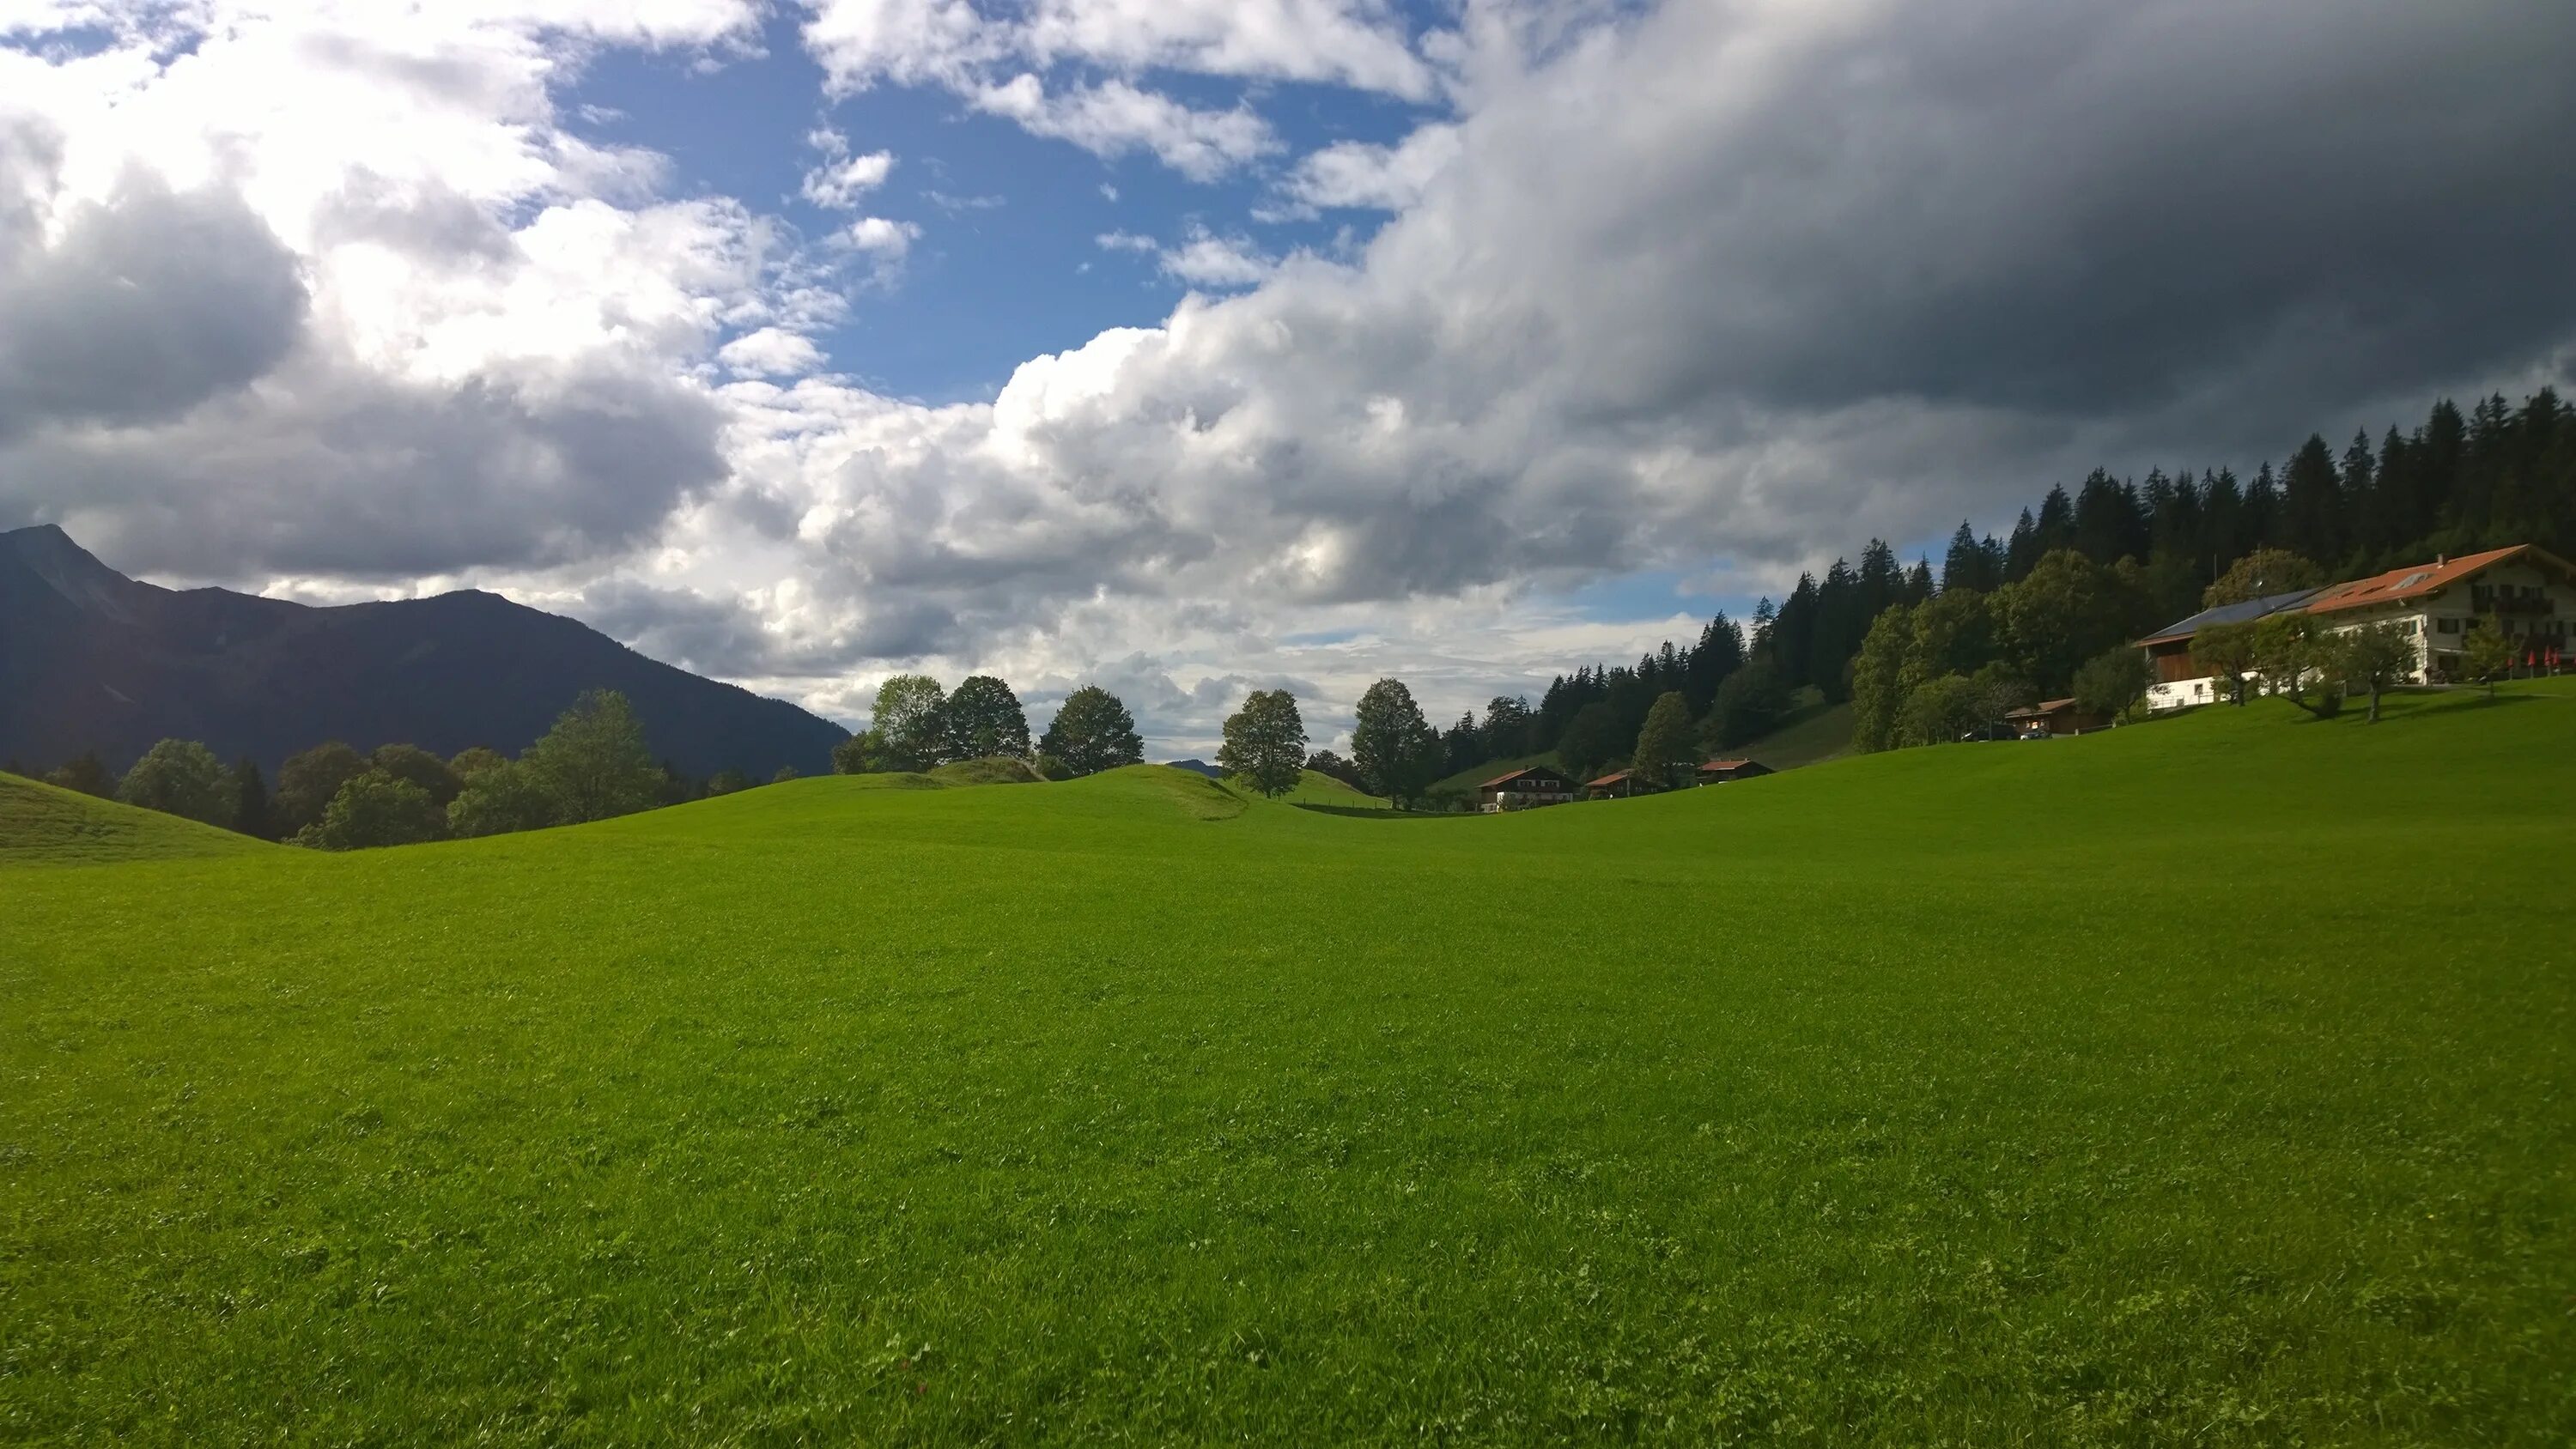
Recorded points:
(2210, 1081)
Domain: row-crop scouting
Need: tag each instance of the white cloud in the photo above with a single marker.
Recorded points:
(1002, 64)
(1385, 178)
(843, 178)
(1114, 119)
(1223, 263)
(1126, 241)
(771, 352)
(882, 238)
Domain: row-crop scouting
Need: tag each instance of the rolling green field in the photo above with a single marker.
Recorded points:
(2201, 1082)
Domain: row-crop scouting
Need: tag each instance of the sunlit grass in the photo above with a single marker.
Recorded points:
(2200, 1082)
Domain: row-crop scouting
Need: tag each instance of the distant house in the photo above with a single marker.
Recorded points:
(1537, 785)
(2530, 591)
(2054, 717)
(1617, 785)
(1718, 772)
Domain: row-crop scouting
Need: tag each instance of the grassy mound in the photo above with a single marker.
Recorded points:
(2198, 1082)
(43, 825)
(998, 770)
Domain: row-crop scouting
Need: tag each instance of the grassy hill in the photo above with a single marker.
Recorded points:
(43, 825)
(2200, 1082)
(1811, 734)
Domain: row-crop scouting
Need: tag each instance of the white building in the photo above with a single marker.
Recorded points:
(2530, 592)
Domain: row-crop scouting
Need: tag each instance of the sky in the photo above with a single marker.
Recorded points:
(1196, 346)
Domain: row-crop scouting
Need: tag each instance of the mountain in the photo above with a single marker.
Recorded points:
(1197, 766)
(93, 660)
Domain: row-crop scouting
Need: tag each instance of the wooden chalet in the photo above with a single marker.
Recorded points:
(1718, 772)
(1536, 785)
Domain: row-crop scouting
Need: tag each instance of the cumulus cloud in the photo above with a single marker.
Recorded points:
(843, 179)
(771, 352)
(1383, 178)
(1222, 263)
(1114, 118)
(1000, 64)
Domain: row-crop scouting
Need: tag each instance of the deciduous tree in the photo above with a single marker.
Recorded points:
(1748, 705)
(1664, 745)
(500, 799)
(2261, 574)
(1093, 732)
(180, 777)
(307, 781)
(436, 778)
(2225, 652)
(1395, 748)
(2113, 682)
(2486, 654)
(594, 763)
(983, 719)
(1265, 742)
(908, 720)
(377, 809)
(2378, 657)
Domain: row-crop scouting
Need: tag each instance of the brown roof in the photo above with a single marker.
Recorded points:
(2041, 710)
(1613, 778)
(2419, 580)
(1516, 774)
(1726, 764)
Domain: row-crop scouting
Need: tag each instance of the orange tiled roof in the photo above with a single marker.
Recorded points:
(1606, 781)
(1726, 764)
(1514, 775)
(2416, 581)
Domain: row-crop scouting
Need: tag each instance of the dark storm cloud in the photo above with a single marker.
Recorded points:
(148, 305)
(337, 471)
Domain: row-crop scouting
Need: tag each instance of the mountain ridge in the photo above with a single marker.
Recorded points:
(91, 659)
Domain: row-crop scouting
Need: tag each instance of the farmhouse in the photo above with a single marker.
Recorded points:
(1718, 772)
(2054, 717)
(2530, 592)
(1537, 785)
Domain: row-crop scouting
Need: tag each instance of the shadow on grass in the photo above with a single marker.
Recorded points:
(1377, 812)
(2417, 704)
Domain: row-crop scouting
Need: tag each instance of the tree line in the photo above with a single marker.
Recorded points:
(917, 725)
(592, 765)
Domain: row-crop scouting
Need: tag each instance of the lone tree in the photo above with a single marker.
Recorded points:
(307, 781)
(1397, 751)
(1664, 743)
(594, 763)
(1265, 742)
(2225, 652)
(908, 723)
(2263, 572)
(2112, 682)
(984, 720)
(181, 777)
(1093, 732)
(2486, 655)
(2378, 657)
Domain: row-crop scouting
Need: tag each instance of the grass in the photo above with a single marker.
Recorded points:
(1812, 733)
(2203, 1082)
(42, 824)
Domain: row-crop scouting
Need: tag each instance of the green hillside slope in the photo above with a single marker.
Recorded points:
(2200, 1082)
(43, 825)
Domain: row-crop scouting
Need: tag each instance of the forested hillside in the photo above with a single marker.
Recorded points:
(2080, 573)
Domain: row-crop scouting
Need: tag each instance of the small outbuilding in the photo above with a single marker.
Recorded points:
(1617, 785)
(2054, 717)
(1718, 772)
(1536, 785)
